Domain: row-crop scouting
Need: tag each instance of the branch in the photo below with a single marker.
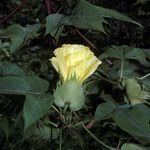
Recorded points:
(49, 5)
(14, 11)
(90, 43)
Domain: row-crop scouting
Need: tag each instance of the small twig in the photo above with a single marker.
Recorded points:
(62, 7)
(121, 72)
(48, 6)
(90, 43)
(102, 78)
(57, 111)
(14, 11)
(86, 39)
(147, 75)
(92, 135)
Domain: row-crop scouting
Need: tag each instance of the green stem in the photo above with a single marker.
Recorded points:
(102, 78)
(109, 81)
(92, 135)
(98, 140)
(121, 73)
(54, 124)
(79, 123)
(145, 76)
(57, 111)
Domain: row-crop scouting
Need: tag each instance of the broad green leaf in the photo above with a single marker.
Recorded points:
(19, 35)
(35, 107)
(88, 16)
(54, 25)
(8, 69)
(131, 146)
(84, 16)
(136, 54)
(129, 70)
(133, 121)
(23, 85)
(29, 132)
(104, 110)
(126, 53)
(47, 133)
(145, 110)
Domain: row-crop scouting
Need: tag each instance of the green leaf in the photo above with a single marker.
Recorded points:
(9, 69)
(88, 16)
(23, 85)
(47, 133)
(84, 16)
(35, 107)
(130, 146)
(126, 53)
(136, 54)
(145, 110)
(133, 121)
(103, 110)
(54, 25)
(29, 132)
(129, 70)
(19, 35)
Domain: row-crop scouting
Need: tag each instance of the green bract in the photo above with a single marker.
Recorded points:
(70, 92)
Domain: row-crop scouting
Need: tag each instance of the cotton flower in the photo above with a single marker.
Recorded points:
(73, 60)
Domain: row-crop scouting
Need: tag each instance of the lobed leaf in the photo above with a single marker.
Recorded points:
(23, 85)
(19, 35)
(35, 107)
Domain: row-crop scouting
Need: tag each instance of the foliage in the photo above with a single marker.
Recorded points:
(116, 96)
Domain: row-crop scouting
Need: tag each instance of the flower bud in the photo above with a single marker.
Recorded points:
(71, 93)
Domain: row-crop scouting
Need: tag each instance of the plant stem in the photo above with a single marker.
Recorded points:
(98, 140)
(121, 73)
(102, 78)
(13, 12)
(57, 111)
(107, 80)
(92, 135)
(145, 76)
(48, 6)
(90, 43)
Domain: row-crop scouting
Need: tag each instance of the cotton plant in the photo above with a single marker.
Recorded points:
(74, 63)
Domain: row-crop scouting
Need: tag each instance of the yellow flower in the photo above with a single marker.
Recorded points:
(74, 61)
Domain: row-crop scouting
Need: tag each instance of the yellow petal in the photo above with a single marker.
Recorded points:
(74, 60)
